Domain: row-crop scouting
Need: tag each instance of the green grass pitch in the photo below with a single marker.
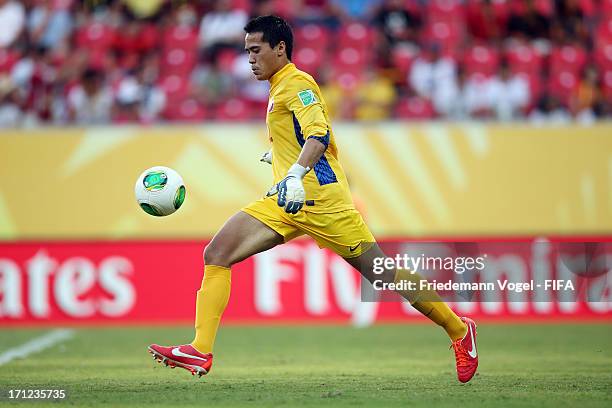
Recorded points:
(545, 365)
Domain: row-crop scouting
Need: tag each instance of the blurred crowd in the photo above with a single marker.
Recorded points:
(147, 61)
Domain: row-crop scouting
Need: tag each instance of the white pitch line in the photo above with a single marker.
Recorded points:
(36, 345)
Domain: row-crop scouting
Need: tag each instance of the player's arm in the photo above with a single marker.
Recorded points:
(308, 111)
(311, 153)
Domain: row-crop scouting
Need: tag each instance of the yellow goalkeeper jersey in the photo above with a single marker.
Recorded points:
(296, 111)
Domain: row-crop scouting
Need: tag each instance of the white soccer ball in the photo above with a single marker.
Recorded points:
(160, 191)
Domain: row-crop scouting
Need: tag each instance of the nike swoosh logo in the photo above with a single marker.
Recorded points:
(352, 248)
(473, 352)
(178, 353)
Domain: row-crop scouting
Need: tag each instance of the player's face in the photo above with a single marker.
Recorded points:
(264, 60)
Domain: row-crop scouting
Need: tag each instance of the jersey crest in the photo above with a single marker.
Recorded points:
(307, 97)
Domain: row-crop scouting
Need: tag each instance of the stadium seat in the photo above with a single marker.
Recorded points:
(129, 61)
(567, 58)
(95, 35)
(351, 59)
(414, 108)
(348, 81)
(545, 7)
(413, 6)
(149, 38)
(603, 33)
(481, 59)
(258, 109)
(524, 58)
(308, 59)
(588, 7)
(99, 59)
(8, 58)
(501, 8)
(444, 10)
(244, 5)
(348, 75)
(142, 40)
(312, 35)
(284, 8)
(603, 57)
(180, 37)
(448, 34)
(607, 84)
(176, 88)
(355, 35)
(227, 57)
(233, 109)
(186, 110)
(402, 58)
(562, 85)
(347, 52)
(178, 61)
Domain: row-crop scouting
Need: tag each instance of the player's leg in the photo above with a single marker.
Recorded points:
(347, 235)
(428, 302)
(462, 331)
(242, 236)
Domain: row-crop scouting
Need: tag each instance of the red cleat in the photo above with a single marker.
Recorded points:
(184, 356)
(466, 353)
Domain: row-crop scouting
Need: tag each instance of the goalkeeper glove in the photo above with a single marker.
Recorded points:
(267, 157)
(291, 194)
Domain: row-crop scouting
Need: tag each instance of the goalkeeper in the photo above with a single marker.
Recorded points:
(310, 196)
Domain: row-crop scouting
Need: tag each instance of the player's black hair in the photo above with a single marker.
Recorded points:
(274, 30)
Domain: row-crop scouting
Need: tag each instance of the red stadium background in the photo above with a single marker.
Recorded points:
(155, 282)
(74, 73)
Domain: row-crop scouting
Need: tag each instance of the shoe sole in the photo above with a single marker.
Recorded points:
(168, 362)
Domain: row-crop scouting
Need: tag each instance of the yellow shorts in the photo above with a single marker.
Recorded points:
(344, 232)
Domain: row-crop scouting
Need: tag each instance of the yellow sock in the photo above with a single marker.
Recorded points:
(210, 303)
(429, 303)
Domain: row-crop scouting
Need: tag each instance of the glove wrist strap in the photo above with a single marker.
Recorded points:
(297, 170)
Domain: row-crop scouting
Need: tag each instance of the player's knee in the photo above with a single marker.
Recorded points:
(215, 255)
(209, 254)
